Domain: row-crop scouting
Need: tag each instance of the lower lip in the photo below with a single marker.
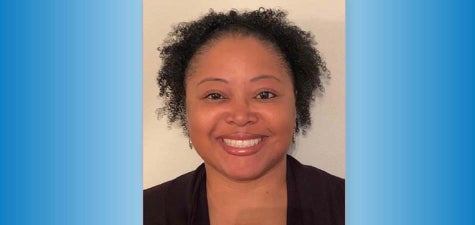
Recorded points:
(242, 151)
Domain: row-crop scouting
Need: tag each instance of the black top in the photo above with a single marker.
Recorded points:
(314, 197)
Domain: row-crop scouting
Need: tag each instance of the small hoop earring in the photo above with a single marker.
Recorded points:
(190, 144)
(294, 145)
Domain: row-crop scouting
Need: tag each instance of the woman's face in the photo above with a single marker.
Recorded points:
(240, 107)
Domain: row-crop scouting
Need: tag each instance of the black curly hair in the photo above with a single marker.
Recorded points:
(296, 46)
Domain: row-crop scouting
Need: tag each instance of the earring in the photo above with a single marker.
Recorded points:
(293, 146)
(190, 144)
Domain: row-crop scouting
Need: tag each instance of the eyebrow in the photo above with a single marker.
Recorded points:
(254, 79)
(212, 79)
(264, 76)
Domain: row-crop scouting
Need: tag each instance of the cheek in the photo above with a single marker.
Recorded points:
(201, 120)
(280, 118)
(288, 123)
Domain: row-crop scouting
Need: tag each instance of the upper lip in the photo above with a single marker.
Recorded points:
(242, 136)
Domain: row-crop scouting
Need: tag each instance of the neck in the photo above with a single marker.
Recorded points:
(258, 201)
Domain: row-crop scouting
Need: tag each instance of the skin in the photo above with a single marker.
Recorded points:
(239, 88)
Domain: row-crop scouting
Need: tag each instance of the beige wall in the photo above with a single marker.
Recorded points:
(165, 152)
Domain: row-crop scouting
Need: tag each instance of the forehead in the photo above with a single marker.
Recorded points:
(238, 52)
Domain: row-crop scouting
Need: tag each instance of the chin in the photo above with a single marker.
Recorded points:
(244, 175)
(248, 170)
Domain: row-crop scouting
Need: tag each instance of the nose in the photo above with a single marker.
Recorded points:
(240, 113)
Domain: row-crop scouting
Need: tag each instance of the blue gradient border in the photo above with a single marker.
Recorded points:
(71, 134)
(410, 103)
(71, 81)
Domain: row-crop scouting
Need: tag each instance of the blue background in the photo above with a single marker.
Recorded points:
(71, 132)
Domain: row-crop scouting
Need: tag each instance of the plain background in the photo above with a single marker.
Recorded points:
(166, 154)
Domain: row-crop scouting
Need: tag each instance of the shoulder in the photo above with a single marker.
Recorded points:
(314, 177)
(178, 184)
(167, 199)
(320, 194)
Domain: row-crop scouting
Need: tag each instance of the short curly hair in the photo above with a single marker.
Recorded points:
(306, 65)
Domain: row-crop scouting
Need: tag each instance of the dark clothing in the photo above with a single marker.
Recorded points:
(313, 197)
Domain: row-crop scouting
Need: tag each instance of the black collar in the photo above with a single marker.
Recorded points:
(199, 210)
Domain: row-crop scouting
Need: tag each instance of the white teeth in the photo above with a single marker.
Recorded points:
(242, 143)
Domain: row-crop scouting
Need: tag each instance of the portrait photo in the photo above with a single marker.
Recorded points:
(244, 99)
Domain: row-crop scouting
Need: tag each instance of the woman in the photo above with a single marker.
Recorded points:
(241, 84)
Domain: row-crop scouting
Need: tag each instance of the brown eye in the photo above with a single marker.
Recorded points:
(265, 95)
(214, 96)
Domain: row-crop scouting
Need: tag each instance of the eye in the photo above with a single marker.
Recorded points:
(265, 95)
(214, 96)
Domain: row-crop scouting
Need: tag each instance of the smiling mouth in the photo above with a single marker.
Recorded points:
(242, 143)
